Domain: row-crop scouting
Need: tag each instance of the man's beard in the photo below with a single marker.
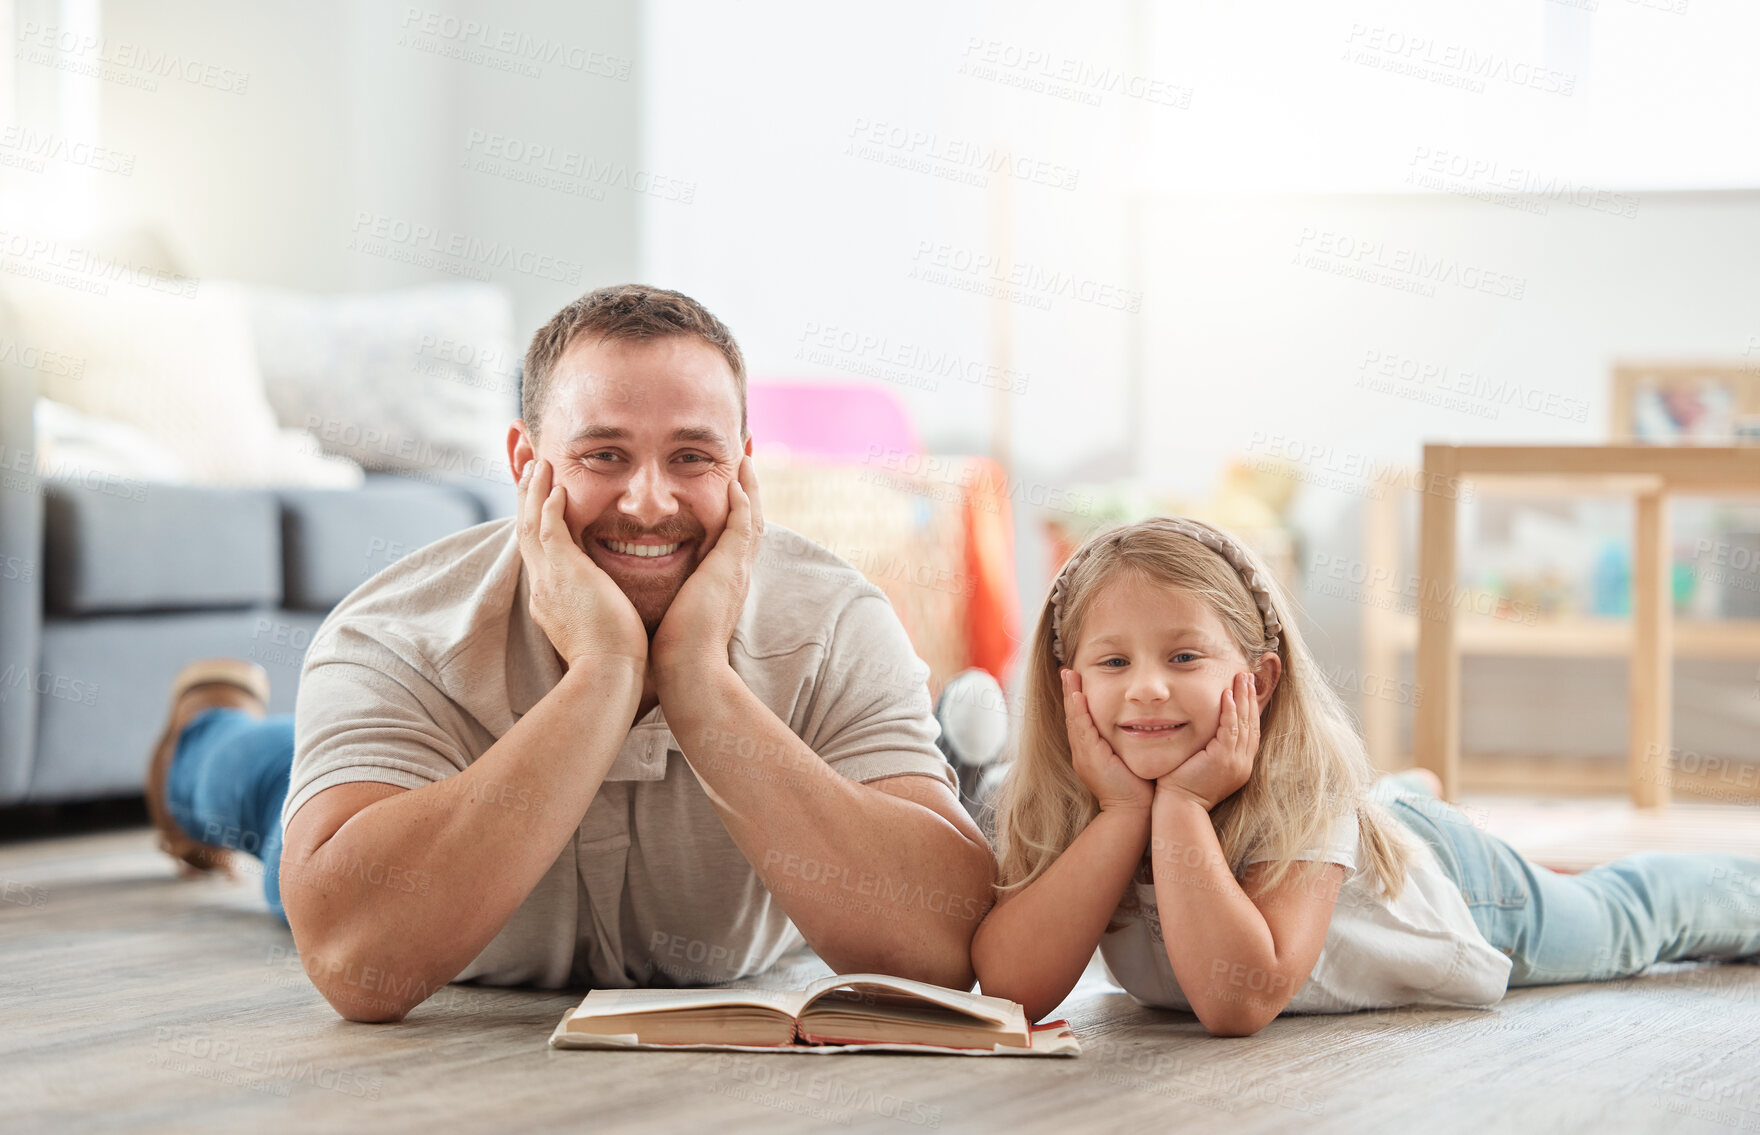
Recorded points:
(650, 593)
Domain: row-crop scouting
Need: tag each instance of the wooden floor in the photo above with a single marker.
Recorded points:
(133, 1000)
(1569, 833)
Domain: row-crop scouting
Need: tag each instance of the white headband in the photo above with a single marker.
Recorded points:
(1213, 538)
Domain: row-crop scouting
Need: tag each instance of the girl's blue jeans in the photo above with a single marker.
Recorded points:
(1610, 921)
(227, 783)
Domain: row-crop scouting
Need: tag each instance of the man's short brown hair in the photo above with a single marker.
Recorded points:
(626, 311)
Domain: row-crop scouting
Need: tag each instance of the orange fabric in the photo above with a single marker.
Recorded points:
(993, 621)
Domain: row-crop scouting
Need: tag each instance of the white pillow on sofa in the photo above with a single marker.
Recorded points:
(76, 445)
(180, 367)
(418, 380)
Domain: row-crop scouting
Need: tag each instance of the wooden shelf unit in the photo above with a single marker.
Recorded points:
(1651, 638)
(1589, 638)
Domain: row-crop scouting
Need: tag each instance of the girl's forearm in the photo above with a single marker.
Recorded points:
(1033, 947)
(1218, 942)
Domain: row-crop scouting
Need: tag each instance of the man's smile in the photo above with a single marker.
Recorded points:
(643, 554)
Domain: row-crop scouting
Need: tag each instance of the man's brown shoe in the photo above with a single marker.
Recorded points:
(210, 683)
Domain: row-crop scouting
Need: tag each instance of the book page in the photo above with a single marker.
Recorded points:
(617, 1002)
(992, 1010)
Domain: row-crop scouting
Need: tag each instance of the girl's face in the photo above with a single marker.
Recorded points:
(1154, 662)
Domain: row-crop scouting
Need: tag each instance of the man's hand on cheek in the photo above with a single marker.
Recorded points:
(695, 632)
(586, 616)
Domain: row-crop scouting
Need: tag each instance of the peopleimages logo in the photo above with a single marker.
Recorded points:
(961, 160)
(33, 148)
(559, 168)
(52, 261)
(52, 363)
(1409, 269)
(506, 49)
(1450, 64)
(970, 269)
(1307, 458)
(1047, 72)
(281, 1069)
(901, 361)
(41, 682)
(133, 64)
(1470, 392)
(1473, 175)
(431, 246)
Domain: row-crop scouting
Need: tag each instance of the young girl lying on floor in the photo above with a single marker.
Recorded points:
(1190, 795)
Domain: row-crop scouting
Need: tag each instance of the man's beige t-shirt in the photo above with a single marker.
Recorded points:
(422, 668)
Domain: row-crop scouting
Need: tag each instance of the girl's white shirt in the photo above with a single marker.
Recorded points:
(1419, 949)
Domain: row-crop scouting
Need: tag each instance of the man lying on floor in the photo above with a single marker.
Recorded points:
(626, 738)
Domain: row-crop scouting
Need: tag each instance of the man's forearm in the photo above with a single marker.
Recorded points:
(415, 885)
(874, 882)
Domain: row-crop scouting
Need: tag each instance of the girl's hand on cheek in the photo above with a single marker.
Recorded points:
(1219, 769)
(1113, 784)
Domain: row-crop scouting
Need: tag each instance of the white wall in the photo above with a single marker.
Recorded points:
(806, 245)
(1249, 328)
(771, 107)
(1266, 128)
(352, 108)
(1251, 349)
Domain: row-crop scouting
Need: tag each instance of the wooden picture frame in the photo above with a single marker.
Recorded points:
(1685, 403)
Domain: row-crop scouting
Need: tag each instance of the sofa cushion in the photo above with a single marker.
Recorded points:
(116, 544)
(333, 541)
(102, 686)
(495, 495)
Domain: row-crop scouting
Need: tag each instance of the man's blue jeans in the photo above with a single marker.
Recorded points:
(1610, 921)
(227, 783)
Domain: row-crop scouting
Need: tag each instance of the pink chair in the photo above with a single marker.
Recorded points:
(848, 425)
(829, 421)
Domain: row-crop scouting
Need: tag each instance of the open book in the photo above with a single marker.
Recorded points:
(842, 1013)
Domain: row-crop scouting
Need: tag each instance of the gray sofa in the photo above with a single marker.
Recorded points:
(108, 586)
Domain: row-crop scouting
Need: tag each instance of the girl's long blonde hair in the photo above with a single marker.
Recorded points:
(1311, 766)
